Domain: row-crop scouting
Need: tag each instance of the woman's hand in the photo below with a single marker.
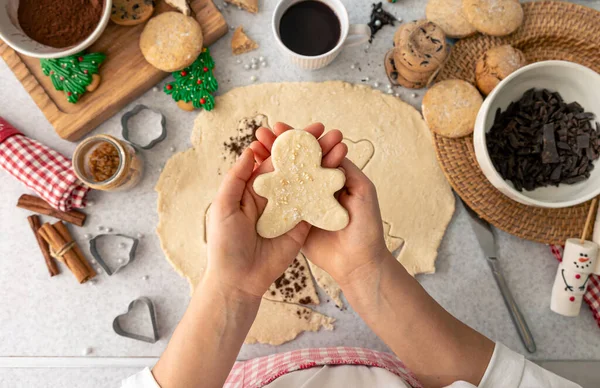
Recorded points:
(349, 254)
(238, 258)
(358, 246)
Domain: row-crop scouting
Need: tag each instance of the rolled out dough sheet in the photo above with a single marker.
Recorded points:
(415, 199)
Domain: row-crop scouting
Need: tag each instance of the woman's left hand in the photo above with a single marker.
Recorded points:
(238, 258)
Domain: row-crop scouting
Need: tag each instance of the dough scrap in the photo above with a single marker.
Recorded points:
(277, 323)
(327, 283)
(414, 196)
(299, 188)
(295, 285)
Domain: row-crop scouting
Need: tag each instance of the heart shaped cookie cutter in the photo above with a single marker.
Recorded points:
(125, 132)
(100, 260)
(119, 330)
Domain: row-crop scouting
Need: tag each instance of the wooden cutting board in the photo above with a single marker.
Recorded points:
(125, 73)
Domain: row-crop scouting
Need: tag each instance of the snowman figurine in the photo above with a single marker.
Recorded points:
(580, 261)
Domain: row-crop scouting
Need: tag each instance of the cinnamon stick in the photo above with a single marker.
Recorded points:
(35, 223)
(64, 233)
(62, 244)
(38, 205)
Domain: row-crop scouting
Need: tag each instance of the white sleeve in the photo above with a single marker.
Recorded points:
(509, 369)
(142, 379)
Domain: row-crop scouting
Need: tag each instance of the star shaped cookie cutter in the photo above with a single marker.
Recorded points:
(137, 109)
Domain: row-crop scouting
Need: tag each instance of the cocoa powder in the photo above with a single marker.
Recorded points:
(59, 23)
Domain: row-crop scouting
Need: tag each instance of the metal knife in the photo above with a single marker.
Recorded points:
(485, 236)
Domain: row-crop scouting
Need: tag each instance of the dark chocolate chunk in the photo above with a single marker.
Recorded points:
(583, 141)
(541, 140)
(550, 152)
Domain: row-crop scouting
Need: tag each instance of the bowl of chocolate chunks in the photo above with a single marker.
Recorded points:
(537, 135)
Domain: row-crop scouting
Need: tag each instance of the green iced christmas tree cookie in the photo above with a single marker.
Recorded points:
(194, 86)
(74, 74)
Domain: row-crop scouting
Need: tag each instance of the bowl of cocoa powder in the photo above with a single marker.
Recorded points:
(52, 28)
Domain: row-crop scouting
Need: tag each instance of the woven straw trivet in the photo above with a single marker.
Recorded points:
(551, 30)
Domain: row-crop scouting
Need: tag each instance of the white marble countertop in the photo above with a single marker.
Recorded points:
(45, 318)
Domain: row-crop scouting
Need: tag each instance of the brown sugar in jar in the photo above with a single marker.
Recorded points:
(104, 162)
(59, 23)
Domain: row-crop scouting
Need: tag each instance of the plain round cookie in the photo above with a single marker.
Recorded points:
(171, 41)
(494, 17)
(421, 45)
(495, 65)
(450, 108)
(448, 14)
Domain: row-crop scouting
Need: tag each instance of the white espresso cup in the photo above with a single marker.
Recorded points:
(350, 35)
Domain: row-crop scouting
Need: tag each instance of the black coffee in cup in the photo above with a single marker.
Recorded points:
(310, 28)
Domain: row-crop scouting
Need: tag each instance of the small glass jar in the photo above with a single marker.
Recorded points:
(106, 163)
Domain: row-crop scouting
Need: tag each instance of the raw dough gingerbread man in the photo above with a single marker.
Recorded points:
(299, 188)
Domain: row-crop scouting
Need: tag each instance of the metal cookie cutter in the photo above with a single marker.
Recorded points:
(135, 111)
(102, 263)
(119, 330)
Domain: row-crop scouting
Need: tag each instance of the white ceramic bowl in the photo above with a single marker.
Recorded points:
(11, 33)
(575, 83)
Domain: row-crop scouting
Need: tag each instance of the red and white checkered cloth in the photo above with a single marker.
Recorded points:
(261, 371)
(40, 168)
(592, 295)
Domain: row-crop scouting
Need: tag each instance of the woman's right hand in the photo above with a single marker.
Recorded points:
(348, 254)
